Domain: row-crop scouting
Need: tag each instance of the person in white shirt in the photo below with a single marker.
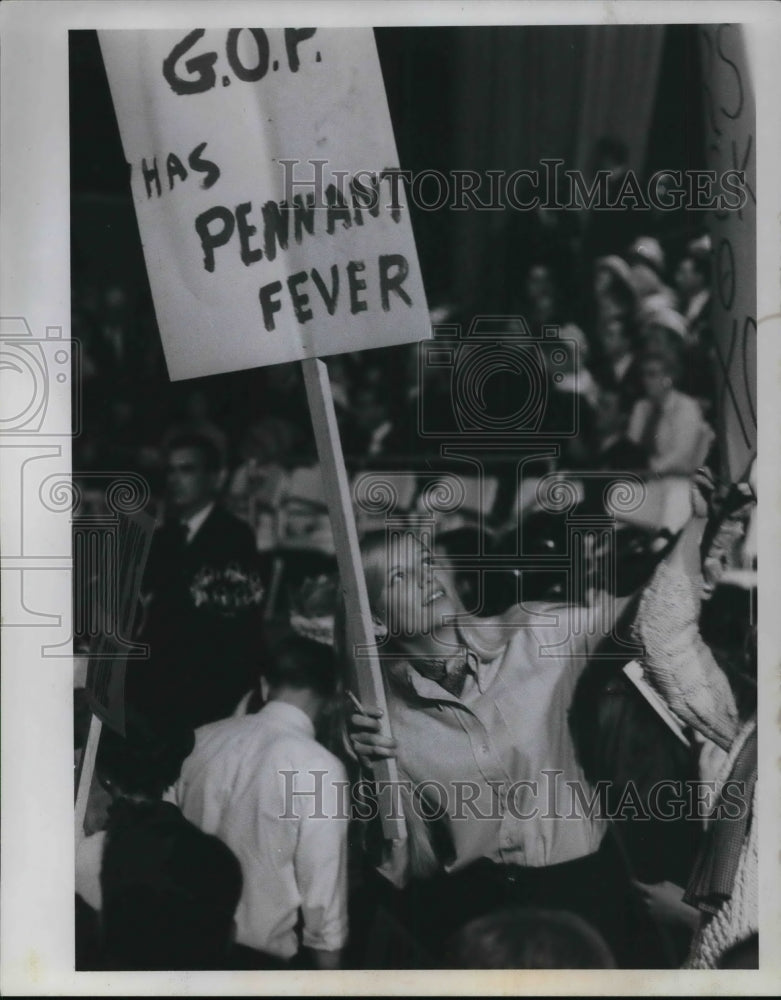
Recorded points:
(277, 798)
(666, 423)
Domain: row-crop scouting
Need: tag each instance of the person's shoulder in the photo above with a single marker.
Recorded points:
(545, 623)
(685, 405)
(222, 750)
(685, 400)
(531, 613)
(224, 733)
(641, 405)
(299, 748)
(515, 623)
(221, 517)
(225, 533)
(334, 766)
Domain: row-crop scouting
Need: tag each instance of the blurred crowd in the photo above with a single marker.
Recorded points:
(606, 329)
(628, 292)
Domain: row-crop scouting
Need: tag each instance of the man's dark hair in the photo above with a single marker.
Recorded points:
(528, 938)
(169, 891)
(202, 443)
(148, 758)
(297, 662)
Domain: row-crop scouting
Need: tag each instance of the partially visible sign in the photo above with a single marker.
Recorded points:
(265, 179)
(636, 675)
(111, 648)
(730, 134)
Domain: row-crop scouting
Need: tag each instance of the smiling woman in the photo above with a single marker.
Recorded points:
(496, 808)
(412, 599)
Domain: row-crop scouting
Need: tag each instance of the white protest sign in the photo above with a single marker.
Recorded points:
(730, 122)
(262, 164)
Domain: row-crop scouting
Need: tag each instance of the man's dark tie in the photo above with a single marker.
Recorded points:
(651, 429)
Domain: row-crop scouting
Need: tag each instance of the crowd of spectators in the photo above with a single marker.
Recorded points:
(613, 322)
(638, 370)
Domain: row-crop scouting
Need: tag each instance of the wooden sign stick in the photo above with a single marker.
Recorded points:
(360, 631)
(86, 769)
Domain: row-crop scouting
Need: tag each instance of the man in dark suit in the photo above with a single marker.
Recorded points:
(203, 653)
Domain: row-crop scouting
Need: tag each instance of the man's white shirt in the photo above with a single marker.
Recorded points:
(278, 799)
(193, 524)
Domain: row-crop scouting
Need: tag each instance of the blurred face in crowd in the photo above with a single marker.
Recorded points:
(657, 381)
(688, 279)
(603, 282)
(644, 279)
(613, 337)
(369, 409)
(190, 483)
(609, 417)
(544, 309)
(198, 407)
(263, 441)
(539, 283)
(659, 339)
(406, 593)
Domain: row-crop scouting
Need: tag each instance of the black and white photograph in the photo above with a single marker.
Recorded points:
(381, 498)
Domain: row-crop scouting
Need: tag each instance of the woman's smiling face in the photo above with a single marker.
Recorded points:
(414, 597)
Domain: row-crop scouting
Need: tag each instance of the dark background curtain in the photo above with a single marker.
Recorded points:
(528, 94)
(475, 98)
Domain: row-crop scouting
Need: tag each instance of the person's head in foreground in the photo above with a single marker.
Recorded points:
(528, 938)
(147, 759)
(301, 672)
(169, 891)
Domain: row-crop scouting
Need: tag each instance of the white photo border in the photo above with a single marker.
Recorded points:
(37, 816)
